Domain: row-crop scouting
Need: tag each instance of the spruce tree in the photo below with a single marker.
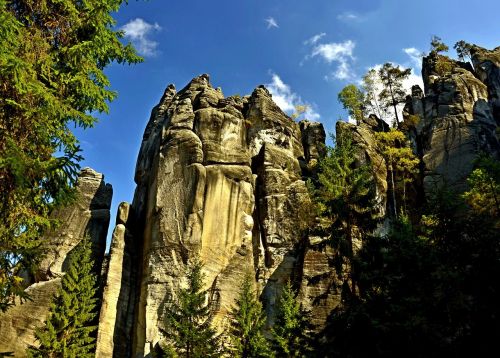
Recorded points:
(346, 195)
(188, 319)
(247, 323)
(52, 60)
(291, 330)
(69, 328)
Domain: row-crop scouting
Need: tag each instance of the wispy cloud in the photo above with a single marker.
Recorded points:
(313, 40)
(288, 100)
(271, 22)
(341, 53)
(348, 16)
(415, 56)
(138, 31)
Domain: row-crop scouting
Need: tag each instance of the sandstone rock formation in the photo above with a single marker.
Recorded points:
(224, 179)
(88, 215)
(217, 177)
(457, 118)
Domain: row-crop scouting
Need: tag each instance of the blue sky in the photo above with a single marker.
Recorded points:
(305, 50)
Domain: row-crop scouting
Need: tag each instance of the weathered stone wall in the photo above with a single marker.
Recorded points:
(456, 118)
(88, 215)
(217, 177)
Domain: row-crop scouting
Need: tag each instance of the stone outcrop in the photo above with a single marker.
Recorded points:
(220, 178)
(224, 179)
(454, 120)
(87, 216)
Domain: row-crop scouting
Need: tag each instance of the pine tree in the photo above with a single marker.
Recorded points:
(353, 99)
(437, 45)
(392, 92)
(463, 50)
(346, 194)
(291, 330)
(247, 323)
(400, 161)
(483, 195)
(68, 331)
(52, 58)
(188, 319)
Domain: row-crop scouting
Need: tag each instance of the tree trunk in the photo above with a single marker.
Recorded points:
(393, 192)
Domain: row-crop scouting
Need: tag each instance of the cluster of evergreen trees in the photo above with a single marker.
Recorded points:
(428, 287)
(190, 334)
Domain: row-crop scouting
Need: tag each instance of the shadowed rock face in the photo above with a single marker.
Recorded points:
(217, 177)
(88, 215)
(456, 117)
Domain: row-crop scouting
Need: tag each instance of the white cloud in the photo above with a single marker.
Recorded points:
(334, 51)
(348, 16)
(288, 100)
(271, 22)
(313, 40)
(138, 31)
(415, 56)
(341, 53)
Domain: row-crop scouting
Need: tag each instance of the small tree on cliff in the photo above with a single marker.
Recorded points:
(392, 93)
(247, 322)
(188, 319)
(437, 45)
(463, 50)
(291, 330)
(353, 99)
(68, 331)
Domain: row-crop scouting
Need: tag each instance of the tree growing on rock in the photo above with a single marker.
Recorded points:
(392, 94)
(353, 100)
(437, 45)
(400, 160)
(247, 324)
(52, 59)
(69, 328)
(463, 50)
(188, 319)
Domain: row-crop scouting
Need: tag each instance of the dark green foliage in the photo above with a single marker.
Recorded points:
(69, 329)
(484, 193)
(291, 330)
(346, 195)
(426, 290)
(52, 57)
(463, 50)
(188, 319)
(247, 323)
(437, 45)
(392, 93)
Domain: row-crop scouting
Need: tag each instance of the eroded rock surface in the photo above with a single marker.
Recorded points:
(454, 121)
(87, 216)
(217, 177)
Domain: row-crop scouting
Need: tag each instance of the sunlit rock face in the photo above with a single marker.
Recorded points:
(220, 178)
(456, 117)
(88, 216)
